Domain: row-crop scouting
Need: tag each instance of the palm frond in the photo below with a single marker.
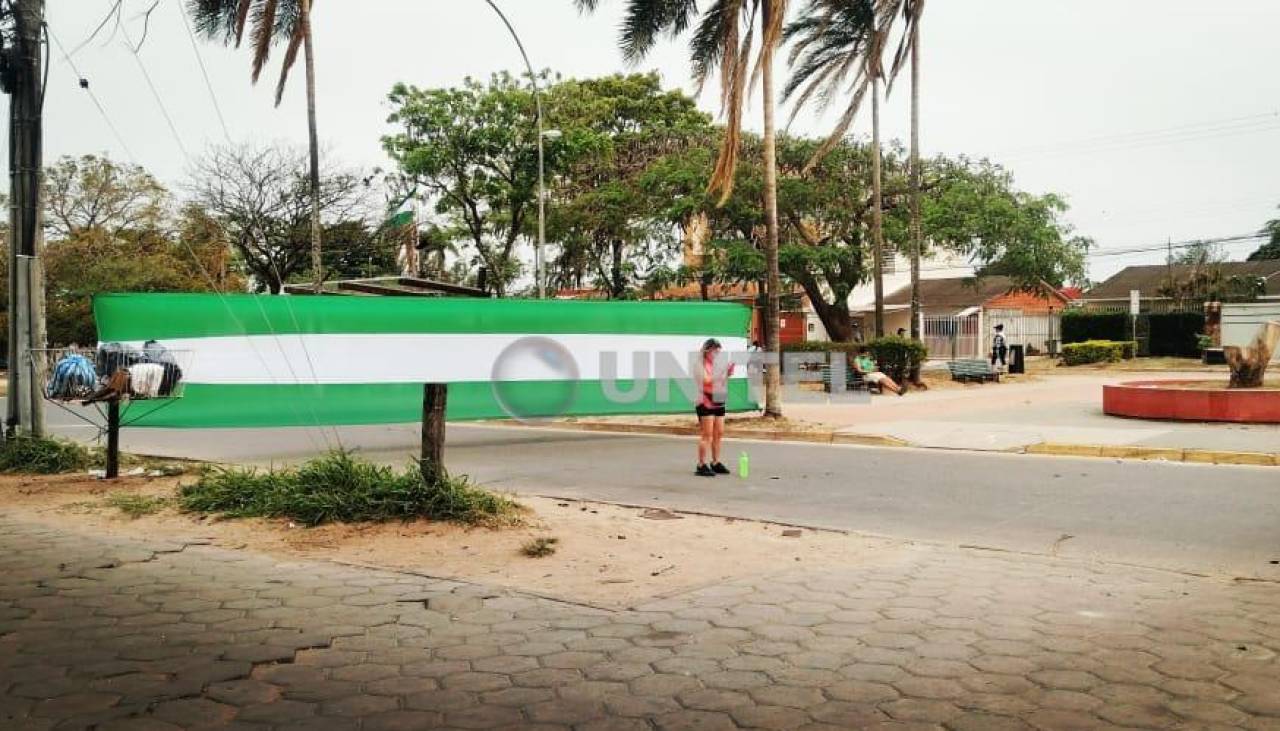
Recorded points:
(645, 20)
(264, 26)
(290, 57)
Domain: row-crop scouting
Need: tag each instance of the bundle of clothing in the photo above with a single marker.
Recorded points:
(116, 372)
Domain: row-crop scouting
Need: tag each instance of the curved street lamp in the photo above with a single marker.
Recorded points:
(550, 134)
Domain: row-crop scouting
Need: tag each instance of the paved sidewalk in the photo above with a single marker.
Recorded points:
(1063, 409)
(120, 635)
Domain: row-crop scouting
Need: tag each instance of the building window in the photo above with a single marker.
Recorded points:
(811, 327)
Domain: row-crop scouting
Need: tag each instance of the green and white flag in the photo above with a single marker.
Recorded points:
(253, 360)
(400, 219)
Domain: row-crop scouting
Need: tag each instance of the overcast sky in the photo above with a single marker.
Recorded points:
(1156, 119)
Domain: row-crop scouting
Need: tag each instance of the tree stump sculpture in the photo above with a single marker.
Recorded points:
(1249, 364)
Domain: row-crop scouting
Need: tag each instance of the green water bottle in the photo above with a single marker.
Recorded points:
(744, 465)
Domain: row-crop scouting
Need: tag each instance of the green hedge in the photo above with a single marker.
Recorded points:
(1098, 351)
(898, 357)
(1078, 327)
(1168, 334)
(1175, 334)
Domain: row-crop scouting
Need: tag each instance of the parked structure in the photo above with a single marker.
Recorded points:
(1152, 279)
(958, 313)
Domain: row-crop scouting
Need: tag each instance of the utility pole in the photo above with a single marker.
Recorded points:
(22, 80)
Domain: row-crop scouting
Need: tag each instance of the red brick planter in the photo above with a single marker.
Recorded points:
(1191, 401)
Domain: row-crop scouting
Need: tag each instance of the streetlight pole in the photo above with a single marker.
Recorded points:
(542, 186)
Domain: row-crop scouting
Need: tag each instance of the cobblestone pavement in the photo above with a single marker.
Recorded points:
(109, 634)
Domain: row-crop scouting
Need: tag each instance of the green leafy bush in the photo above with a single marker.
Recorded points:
(898, 357)
(43, 456)
(341, 488)
(1079, 327)
(1174, 334)
(1098, 351)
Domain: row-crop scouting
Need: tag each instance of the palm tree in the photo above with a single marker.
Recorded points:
(273, 21)
(834, 41)
(724, 39)
(912, 12)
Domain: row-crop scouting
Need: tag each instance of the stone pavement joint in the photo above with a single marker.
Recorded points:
(105, 633)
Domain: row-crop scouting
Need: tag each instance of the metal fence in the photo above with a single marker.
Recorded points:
(951, 337)
(1039, 334)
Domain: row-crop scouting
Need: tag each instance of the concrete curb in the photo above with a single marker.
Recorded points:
(1167, 454)
(1203, 456)
(772, 435)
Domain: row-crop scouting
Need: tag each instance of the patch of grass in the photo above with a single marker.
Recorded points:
(136, 506)
(342, 488)
(43, 456)
(539, 547)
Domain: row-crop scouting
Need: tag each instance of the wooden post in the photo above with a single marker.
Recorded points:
(434, 396)
(113, 438)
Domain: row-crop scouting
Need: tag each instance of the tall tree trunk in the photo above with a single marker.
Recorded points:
(616, 286)
(309, 61)
(877, 214)
(772, 374)
(917, 232)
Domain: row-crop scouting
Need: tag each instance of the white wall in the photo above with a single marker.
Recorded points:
(1240, 322)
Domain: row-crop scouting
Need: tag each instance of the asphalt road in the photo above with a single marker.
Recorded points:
(1189, 517)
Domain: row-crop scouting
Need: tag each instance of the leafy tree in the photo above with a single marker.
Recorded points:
(356, 251)
(94, 261)
(724, 40)
(1200, 278)
(614, 128)
(474, 150)
(87, 192)
(833, 38)
(826, 212)
(261, 197)
(1271, 249)
(274, 21)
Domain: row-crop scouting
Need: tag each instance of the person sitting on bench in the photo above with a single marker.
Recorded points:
(865, 367)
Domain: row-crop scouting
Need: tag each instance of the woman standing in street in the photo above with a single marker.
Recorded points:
(710, 411)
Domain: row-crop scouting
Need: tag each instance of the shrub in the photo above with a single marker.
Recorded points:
(898, 357)
(539, 547)
(43, 456)
(1079, 327)
(1174, 333)
(1098, 351)
(340, 487)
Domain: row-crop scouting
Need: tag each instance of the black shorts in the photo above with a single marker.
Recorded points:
(701, 411)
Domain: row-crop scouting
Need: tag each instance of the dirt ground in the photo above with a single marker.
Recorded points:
(606, 555)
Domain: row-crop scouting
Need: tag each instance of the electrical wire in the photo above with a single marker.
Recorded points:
(208, 85)
(84, 84)
(155, 93)
(266, 318)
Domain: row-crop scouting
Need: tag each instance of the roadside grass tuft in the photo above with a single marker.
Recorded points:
(136, 506)
(539, 547)
(339, 487)
(43, 456)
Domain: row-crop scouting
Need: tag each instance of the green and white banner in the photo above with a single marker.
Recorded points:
(254, 360)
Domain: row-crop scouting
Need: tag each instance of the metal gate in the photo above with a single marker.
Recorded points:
(951, 337)
(1038, 333)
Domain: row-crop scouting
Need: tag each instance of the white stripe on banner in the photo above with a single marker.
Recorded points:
(435, 358)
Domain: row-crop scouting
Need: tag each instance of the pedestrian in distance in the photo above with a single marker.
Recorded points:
(710, 410)
(998, 349)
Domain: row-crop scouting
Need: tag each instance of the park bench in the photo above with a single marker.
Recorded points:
(853, 381)
(972, 369)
